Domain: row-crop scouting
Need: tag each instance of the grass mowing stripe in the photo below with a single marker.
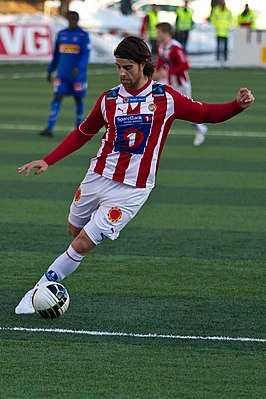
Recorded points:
(74, 174)
(231, 287)
(203, 217)
(163, 243)
(187, 164)
(163, 194)
(37, 75)
(134, 335)
(217, 133)
(175, 243)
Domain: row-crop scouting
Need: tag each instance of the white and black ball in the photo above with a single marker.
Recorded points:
(50, 300)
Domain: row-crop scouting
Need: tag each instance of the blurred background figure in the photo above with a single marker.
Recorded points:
(148, 28)
(172, 69)
(126, 7)
(183, 24)
(221, 18)
(70, 59)
(247, 18)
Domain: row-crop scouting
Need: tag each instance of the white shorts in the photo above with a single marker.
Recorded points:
(103, 206)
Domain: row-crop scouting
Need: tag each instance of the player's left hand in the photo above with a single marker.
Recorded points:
(245, 98)
(40, 165)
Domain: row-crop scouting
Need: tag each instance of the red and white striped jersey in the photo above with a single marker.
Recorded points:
(137, 124)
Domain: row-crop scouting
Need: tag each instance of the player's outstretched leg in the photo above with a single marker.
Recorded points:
(64, 265)
(201, 134)
(25, 306)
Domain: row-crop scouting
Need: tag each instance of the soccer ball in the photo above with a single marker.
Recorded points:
(50, 300)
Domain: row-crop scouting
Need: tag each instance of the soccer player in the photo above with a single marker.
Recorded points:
(172, 68)
(137, 115)
(70, 59)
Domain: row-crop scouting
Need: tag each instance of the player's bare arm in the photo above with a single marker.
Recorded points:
(245, 98)
(40, 165)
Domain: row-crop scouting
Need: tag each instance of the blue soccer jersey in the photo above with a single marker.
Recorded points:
(72, 50)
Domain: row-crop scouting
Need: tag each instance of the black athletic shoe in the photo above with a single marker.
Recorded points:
(46, 132)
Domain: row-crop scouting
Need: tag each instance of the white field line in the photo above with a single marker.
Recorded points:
(5, 126)
(33, 75)
(133, 335)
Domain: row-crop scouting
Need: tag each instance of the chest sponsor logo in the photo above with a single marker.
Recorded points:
(132, 119)
(132, 132)
(140, 99)
(112, 94)
(158, 90)
(69, 48)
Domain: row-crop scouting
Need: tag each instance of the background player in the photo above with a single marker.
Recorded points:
(137, 115)
(71, 57)
(172, 68)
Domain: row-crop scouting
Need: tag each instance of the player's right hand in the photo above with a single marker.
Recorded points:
(40, 165)
(49, 77)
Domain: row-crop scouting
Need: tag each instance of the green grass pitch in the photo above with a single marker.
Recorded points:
(191, 264)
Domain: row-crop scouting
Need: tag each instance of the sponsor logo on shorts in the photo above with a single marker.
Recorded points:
(77, 195)
(57, 82)
(114, 214)
(78, 86)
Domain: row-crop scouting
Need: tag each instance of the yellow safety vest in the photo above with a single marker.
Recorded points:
(222, 20)
(184, 18)
(247, 19)
(153, 21)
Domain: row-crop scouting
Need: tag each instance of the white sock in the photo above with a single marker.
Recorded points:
(63, 266)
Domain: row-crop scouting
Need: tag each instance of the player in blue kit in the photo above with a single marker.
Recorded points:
(70, 59)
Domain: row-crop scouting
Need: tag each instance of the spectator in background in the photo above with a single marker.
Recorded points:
(70, 59)
(221, 18)
(172, 69)
(148, 28)
(183, 24)
(126, 7)
(247, 18)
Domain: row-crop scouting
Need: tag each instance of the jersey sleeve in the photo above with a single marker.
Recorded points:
(79, 136)
(53, 64)
(197, 112)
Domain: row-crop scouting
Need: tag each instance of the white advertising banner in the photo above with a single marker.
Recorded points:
(23, 42)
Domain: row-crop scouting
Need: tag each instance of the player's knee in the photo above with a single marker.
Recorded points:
(82, 243)
(74, 231)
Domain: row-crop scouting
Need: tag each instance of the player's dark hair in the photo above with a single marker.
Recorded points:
(73, 14)
(134, 48)
(165, 27)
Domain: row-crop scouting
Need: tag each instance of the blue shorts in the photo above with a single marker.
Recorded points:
(70, 87)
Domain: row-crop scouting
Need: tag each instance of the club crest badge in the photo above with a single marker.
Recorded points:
(114, 214)
(77, 195)
(152, 107)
